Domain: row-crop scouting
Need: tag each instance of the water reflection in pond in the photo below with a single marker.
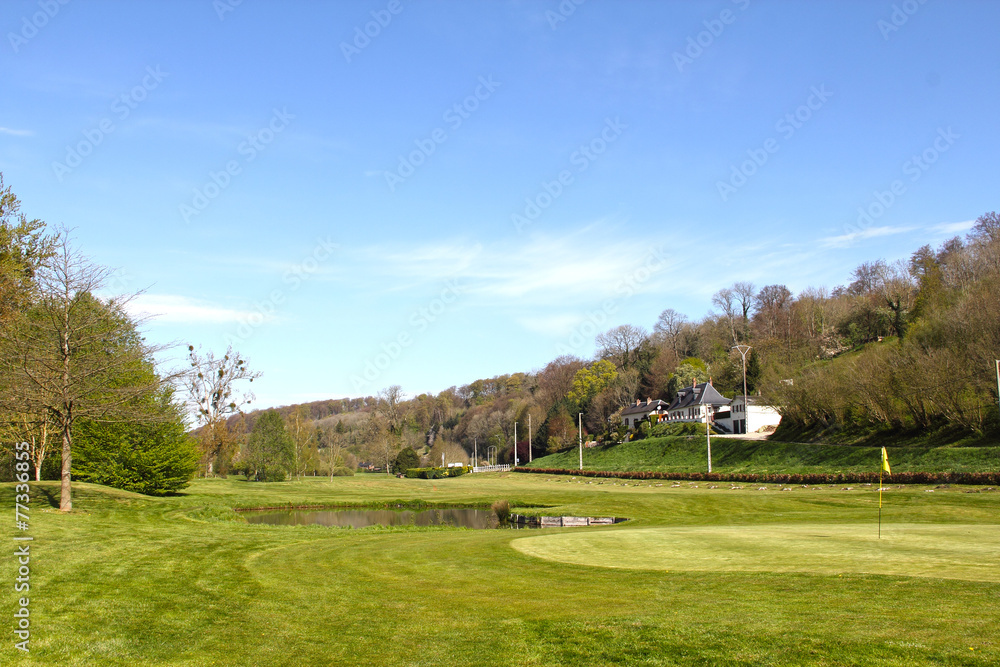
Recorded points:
(359, 518)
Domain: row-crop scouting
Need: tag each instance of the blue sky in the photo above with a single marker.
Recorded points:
(474, 188)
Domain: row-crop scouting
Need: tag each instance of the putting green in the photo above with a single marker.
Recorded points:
(970, 552)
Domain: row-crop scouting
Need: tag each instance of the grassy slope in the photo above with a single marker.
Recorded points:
(941, 435)
(128, 580)
(688, 454)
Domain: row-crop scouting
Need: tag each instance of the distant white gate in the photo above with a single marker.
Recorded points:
(501, 468)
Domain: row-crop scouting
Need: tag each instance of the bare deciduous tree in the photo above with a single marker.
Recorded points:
(669, 326)
(745, 294)
(623, 344)
(390, 408)
(725, 301)
(211, 388)
(33, 429)
(299, 428)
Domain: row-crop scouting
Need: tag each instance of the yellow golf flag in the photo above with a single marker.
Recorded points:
(885, 462)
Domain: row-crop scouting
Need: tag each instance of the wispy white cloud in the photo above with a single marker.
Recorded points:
(847, 240)
(174, 308)
(538, 269)
(16, 133)
(949, 228)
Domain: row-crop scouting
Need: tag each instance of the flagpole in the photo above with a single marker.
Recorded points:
(880, 500)
(883, 467)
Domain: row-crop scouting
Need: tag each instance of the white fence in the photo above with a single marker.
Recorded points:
(503, 468)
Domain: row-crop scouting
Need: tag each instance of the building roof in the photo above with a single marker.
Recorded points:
(699, 394)
(645, 407)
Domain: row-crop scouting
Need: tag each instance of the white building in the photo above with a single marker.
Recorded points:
(744, 418)
(650, 409)
(691, 403)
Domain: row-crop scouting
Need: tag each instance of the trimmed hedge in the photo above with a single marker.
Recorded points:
(436, 473)
(974, 478)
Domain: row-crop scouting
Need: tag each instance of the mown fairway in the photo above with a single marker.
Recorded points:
(739, 577)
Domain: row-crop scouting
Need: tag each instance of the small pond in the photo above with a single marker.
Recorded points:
(359, 518)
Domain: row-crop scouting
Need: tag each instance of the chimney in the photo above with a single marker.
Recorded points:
(694, 382)
(710, 381)
(649, 401)
(637, 402)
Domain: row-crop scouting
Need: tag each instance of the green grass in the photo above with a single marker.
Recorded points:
(952, 551)
(731, 455)
(131, 580)
(885, 435)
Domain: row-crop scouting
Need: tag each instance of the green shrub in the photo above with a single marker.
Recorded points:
(405, 460)
(156, 458)
(664, 429)
(342, 472)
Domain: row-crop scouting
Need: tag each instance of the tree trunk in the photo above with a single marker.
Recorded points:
(65, 488)
(65, 492)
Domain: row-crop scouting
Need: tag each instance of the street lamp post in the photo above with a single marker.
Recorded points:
(515, 444)
(708, 435)
(743, 349)
(529, 437)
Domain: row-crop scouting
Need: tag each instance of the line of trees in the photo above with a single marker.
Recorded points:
(901, 345)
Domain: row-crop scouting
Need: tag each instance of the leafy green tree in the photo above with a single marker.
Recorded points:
(589, 382)
(24, 247)
(559, 430)
(154, 457)
(406, 459)
(691, 370)
(754, 372)
(270, 452)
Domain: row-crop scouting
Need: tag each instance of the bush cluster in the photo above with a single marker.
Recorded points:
(974, 478)
(436, 473)
(666, 429)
